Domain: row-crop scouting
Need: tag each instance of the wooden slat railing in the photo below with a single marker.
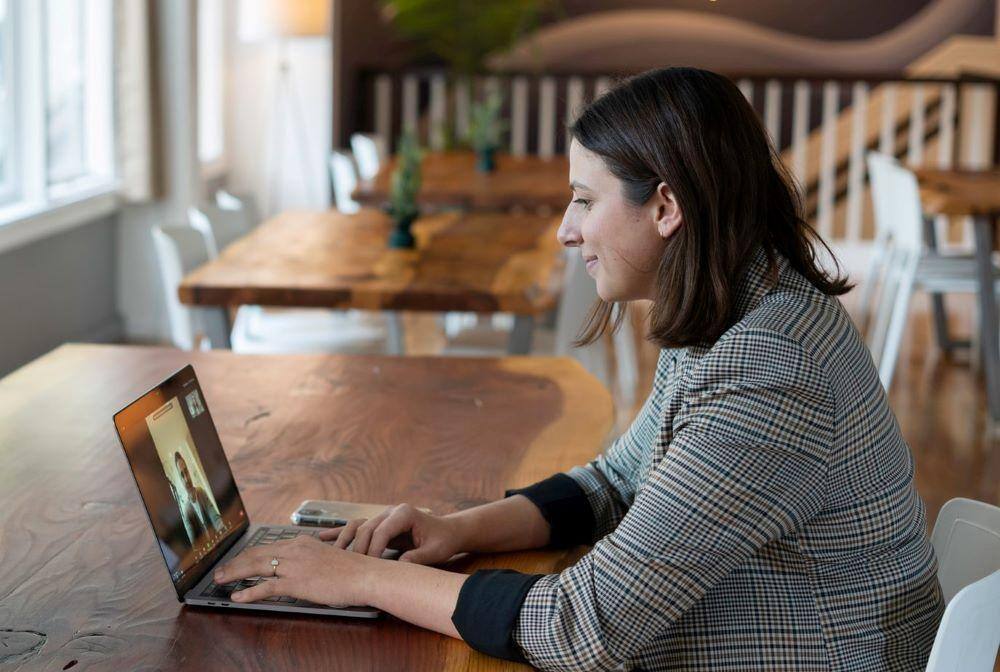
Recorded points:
(822, 125)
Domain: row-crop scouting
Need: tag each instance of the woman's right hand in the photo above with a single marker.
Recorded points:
(429, 539)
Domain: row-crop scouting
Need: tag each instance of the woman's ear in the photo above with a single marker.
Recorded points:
(666, 211)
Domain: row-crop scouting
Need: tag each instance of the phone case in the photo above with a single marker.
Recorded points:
(329, 513)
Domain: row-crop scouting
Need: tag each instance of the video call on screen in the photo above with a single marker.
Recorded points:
(181, 471)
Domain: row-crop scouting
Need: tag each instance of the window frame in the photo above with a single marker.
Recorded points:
(8, 183)
(30, 196)
(216, 18)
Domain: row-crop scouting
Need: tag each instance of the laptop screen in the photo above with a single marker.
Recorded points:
(183, 476)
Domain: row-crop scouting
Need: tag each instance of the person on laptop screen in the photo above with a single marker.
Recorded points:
(759, 514)
(198, 511)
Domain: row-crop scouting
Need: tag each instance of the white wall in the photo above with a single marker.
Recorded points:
(58, 289)
(254, 103)
(140, 294)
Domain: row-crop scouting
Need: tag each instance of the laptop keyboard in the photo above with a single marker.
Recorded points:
(262, 537)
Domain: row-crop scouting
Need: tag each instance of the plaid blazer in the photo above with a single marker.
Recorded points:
(760, 514)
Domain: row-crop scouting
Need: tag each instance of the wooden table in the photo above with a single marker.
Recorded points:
(974, 193)
(475, 262)
(81, 578)
(451, 179)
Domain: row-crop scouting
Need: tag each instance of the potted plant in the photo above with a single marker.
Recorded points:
(485, 131)
(404, 187)
(464, 34)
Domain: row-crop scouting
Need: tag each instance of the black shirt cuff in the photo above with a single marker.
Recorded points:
(487, 609)
(564, 505)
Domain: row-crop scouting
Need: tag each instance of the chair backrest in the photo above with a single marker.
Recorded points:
(883, 224)
(369, 152)
(969, 634)
(579, 294)
(878, 167)
(179, 250)
(244, 204)
(222, 227)
(200, 222)
(966, 539)
(896, 198)
(344, 181)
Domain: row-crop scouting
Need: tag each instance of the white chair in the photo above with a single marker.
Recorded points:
(221, 227)
(579, 294)
(369, 152)
(344, 181)
(966, 539)
(244, 204)
(180, 250)
(277, 330)
(200, 222)
(255, 330)
(904, 263)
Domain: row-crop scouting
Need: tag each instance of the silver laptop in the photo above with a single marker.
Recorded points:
(194, 507)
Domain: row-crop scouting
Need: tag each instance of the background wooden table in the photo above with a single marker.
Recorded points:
(451, 179)
(476, 262)
(81, 578)
(975, 193)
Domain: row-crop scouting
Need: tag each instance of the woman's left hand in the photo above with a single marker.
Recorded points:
(307, 569)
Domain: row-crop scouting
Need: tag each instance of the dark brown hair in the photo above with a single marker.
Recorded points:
(694, 131)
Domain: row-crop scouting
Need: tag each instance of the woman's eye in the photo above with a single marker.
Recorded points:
(582, 201)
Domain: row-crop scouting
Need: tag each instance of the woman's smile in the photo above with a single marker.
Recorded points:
(591, 261)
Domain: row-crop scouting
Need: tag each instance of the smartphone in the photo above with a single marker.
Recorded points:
(327, 513)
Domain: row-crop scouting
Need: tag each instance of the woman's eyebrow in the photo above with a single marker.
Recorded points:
(578, 185)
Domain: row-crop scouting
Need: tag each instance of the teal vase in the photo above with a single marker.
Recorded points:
(401, 237)
(486, 160)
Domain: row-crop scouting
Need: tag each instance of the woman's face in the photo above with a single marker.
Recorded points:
(621, 244)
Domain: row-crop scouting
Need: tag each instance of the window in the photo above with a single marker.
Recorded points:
(211, 82)
(56, 101)
(65, 89)
(6, 106)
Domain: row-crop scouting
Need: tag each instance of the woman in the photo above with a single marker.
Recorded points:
(759, 514)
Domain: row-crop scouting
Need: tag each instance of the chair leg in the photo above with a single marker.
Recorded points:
(397, 339)
(944, 341)
(894, 332)
(521, 335)
(940, 316)
(869, 286)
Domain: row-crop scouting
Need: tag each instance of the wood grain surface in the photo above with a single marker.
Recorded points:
(451, 179)
(960, 192)
(82, 583)
(478, 262)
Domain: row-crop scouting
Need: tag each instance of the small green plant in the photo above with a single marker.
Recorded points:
(485, 125)
(485, 131)
(403, 190)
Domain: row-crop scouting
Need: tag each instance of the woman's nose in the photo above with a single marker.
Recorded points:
(569, 233)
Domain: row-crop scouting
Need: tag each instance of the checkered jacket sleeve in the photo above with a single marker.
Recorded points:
(745, 465)
(588, 503)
